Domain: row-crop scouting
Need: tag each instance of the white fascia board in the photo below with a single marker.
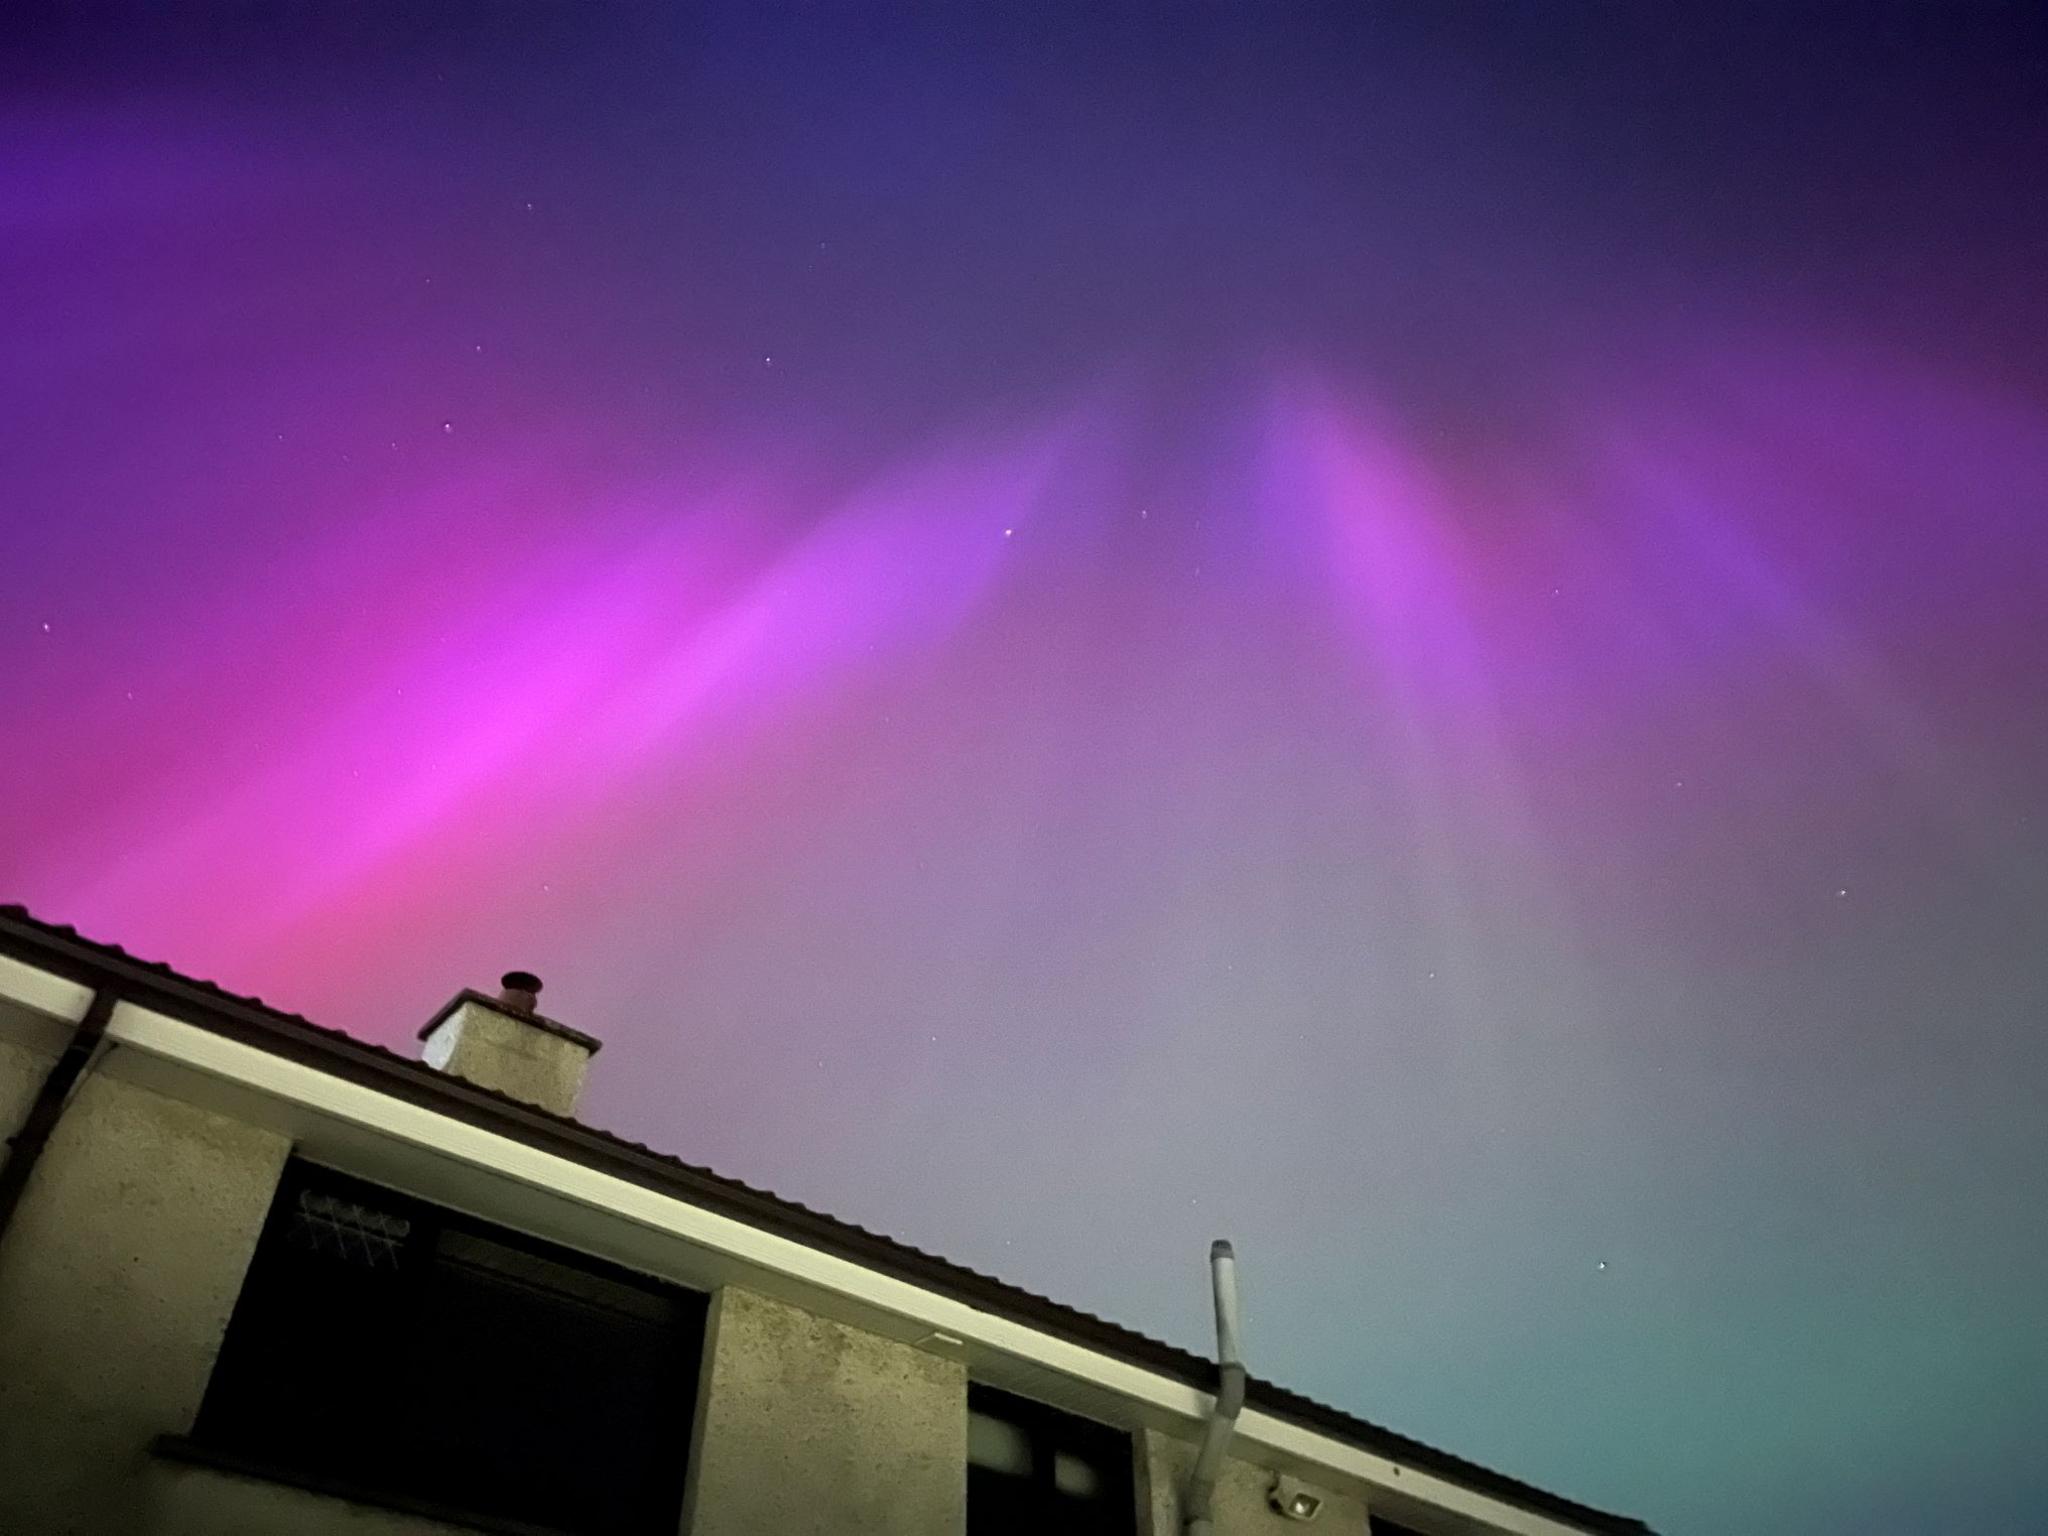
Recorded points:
(44, 991)
(295, 1083)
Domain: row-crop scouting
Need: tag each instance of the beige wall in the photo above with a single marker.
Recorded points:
(199, 1501)
(116, 1281)
(21, 1070)
(509, 1056)
(812, 1428)
(1241, 1507)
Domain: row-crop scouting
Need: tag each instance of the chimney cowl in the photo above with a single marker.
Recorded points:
(520, 990)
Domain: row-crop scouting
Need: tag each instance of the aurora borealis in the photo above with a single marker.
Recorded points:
(1417, 635)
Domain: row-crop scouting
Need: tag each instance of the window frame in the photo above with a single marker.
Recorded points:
(1049, 1432)
(400, 1459)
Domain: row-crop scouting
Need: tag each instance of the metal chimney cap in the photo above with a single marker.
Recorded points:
(520, 981)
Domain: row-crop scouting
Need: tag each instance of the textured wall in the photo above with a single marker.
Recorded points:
(1241, 1508)
(199, 1501)
(808, 1426)
(492, 1050)
(21, 1070)
(116, 1281)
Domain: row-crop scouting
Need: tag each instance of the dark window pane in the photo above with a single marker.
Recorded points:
(1033, 1468)
(398, 1347)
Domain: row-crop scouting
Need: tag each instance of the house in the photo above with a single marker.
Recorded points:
(258, 1276)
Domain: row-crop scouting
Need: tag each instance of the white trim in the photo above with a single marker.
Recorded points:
(43, 991)
(308, 1089)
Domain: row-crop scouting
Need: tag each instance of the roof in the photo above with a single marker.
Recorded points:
(63, 950)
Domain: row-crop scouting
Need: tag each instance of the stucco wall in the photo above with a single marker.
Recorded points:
(1241, 1507)
(21, 1071)
(809, 1427)
(199, 1501)
(116, 1281)
(511, 1056)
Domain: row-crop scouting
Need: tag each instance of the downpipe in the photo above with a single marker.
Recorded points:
(1198, 1505)
(25, 1147)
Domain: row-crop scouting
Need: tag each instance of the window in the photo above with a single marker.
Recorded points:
(1033, 1469)
(385, 1344)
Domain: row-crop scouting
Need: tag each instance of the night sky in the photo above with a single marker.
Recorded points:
(1417, 635)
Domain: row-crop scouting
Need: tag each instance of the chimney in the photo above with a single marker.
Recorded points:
(504, 1043)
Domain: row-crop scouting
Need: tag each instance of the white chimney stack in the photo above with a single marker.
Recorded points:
(504, 1043)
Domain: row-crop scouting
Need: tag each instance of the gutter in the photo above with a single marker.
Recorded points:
(47, 1108)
